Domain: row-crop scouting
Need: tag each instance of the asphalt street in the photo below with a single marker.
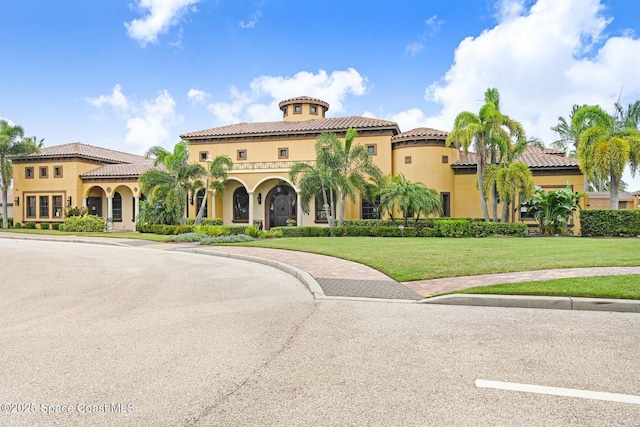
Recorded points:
(105, 335)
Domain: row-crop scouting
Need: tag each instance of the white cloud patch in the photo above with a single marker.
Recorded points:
(197, 95)
(414, 48)
(260, 101)
(148, 122)
(9, 121)
(251, 23)
(159, 15)
(434, 23)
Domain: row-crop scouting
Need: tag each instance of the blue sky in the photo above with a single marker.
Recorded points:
(131, 74)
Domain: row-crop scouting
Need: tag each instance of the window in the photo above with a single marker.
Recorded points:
(199, 199)
(116, 207)
(407, 159)
(372, 149)
(284, 111)
(445, 159)
(204, 155)
(44, 206)
(57, 171)
(241, 204)
(313, 109)
(370, 209)
(57, 206)
(321, 213)
(28, 173)
(297, 108)
(283, 153)
(242, 154)
(31, 206)
(44, 171)
(446, 204)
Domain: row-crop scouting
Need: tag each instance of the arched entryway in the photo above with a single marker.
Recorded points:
(281, 205)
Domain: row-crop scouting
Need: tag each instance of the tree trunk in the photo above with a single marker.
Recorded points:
(613, 192)
(494, 191)
(327, 209)
(343, 196)
(201, 210)
(505, 211)
(483, 200)
(5, 209)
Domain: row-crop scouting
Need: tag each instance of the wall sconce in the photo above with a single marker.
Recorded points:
(69, 200)
(259, 198)
(16, 201)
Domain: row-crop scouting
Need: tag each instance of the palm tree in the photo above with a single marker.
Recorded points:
(631, 117)
(487, 133)
(607, 147)
(12, 143)
(409, 198)
(318, 177)
(170, 182)
(216, 177)
(570, 132)
(351, 163)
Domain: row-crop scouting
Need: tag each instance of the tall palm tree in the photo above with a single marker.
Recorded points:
(631, 117)
(316, 177)
(607, 147)
(12, 143)
(171, 181)
(570, 132)
(351, 163)
(217, 173)
(487, 133)
(409, 197)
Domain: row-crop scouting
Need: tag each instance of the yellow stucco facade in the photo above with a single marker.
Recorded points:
(259, 187)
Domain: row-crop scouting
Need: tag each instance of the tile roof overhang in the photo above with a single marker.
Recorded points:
(536, 159)
(420, 136)
(281, 129)
(76, 150)
(304, 99)
(130, 171)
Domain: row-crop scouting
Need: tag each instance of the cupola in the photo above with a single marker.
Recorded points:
(303, 108)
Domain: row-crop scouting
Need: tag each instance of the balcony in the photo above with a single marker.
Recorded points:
(268, 166)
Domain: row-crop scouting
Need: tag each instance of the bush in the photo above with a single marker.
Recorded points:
(166, 230)
(310, 231)
(236, 229)
(234, 238)
(55, 225)
(273, 233)
(17, 225)
(488, 229)
(253, 231)
(187, 237)
(88, 223)
(31, 225)
(10, 221)
(205, 221)
(44, 225)
(452, 227)
(610, 223)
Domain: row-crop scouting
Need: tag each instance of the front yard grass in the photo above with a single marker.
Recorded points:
(430, 258)
(625, 287)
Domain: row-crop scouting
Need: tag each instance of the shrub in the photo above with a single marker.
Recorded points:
(17, 225)
(75, 211)
(88, 223)
(253, 231)
(273, 233)
(10, 220)
(44, 225)
(31, 225)
(187, 237)
(55, 225)
(610, 223)
(452, 227)
(488, 229)
(393, 232)
(205, 221)
(234, 238)
(236, 229)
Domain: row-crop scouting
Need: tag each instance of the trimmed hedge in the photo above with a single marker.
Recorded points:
(31, 225)
(55, 225)
(44, 225)
(82, 223)
(610, 223)
(205, 221)
(488, 229)
(452, 227)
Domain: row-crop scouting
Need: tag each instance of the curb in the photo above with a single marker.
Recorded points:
(549, 303)
(301, 275)
(104, 242)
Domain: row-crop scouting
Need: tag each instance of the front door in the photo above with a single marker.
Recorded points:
(281, 206)
(94, 205)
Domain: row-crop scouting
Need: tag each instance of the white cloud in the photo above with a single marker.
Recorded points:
(434, 24)
(159, 16)
(9, 121)
(116, 100)
(251, 23)
(509, 9)
(260, 101)
(197, 95)
(148, 123)
(414, 48)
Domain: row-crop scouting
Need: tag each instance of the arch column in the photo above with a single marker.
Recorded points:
(213, 204)
(298, 208)
(250, 207)
(84, 201)
(136, 207)
(110, 207)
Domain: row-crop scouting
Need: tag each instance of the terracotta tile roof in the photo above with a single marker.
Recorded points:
(76, 149)
(305, 99)
(554, 151)
(120, 170)
(419, 133)
(9, 197)
(532, 157)
(622, 195)
(336, 124)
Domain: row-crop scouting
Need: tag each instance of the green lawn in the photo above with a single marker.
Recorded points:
(429, 258)
(626, 287)
(128, 235)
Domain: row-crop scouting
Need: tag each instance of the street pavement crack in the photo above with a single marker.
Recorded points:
(254, 375)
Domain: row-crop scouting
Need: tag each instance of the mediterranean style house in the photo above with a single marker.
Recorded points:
(258, 187)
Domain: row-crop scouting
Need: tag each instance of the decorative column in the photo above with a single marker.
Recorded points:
(250, 207)
(136, 208)
(110, 207)
(298, 208)
(84, 201)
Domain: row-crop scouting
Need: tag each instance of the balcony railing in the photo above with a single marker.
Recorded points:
(280, 164)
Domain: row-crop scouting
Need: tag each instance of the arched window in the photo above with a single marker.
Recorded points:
(241, 204)
(116, 207)
(199, 199)
(370, 209)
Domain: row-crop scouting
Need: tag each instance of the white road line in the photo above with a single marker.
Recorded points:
(558, 391)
